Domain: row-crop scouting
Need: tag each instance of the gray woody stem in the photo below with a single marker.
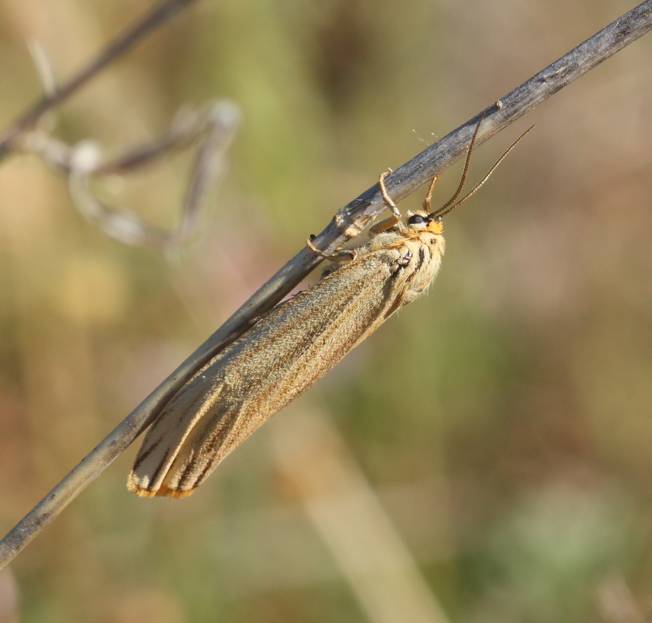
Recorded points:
(347, 222)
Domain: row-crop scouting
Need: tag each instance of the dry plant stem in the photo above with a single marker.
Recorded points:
(354, 526)
(138, 31)
(346, 224)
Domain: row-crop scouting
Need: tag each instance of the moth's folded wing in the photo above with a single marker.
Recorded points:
(280, 356)
(171, 435)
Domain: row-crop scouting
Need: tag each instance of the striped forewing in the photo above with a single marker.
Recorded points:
(281, 355)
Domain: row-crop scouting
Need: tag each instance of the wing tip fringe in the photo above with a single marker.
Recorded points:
(137, 486)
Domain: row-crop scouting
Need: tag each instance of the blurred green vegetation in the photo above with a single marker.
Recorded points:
(510, 408)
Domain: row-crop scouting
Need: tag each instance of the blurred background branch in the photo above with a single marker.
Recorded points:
(139, 31)
(320, 472)
(210, 129)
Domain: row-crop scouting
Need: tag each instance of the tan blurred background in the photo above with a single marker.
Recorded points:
(486, 455)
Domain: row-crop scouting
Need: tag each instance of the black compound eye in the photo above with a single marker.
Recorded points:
(418, 220)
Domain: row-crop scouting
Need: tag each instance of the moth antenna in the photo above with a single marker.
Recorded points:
(467, 162)
(449, 205)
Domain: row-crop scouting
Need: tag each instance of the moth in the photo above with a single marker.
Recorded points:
(293, 345)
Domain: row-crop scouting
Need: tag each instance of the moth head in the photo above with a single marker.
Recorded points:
(421, 221)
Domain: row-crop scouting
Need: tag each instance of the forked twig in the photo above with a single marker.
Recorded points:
(209, 129)
(138, 31)
(212, 129)
(347, 223)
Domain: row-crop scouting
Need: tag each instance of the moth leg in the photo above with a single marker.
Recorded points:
(389, 202)
(339, 255)
(427, 202)
(384, 225)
